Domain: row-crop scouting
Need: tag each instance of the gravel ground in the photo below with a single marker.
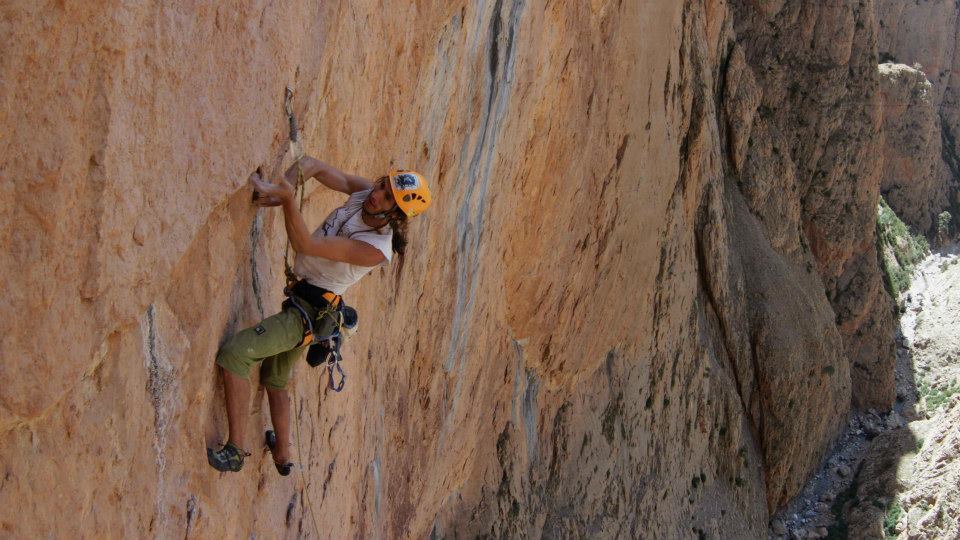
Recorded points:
(928, 349)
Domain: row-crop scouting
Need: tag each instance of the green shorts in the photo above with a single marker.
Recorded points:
(274, 341)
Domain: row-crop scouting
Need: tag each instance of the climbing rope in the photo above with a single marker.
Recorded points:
(303, 467)
(297, 152)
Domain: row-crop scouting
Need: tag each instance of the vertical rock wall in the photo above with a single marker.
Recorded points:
(800, 108)
(626, 314)
(812, 165)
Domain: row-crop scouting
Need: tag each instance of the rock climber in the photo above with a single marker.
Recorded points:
(355, 238)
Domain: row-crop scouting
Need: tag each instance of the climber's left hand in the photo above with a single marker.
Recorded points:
(264, 201)
(270, 193)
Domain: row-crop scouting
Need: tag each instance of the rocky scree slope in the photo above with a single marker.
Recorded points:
(647, 285)
(907, 483)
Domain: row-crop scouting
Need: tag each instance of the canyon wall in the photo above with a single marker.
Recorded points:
(921, 107)
(642, 304)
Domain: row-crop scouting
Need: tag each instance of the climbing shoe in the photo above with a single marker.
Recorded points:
(271, 438)
(228, 458)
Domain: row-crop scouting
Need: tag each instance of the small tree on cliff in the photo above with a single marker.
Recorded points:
(943, 226)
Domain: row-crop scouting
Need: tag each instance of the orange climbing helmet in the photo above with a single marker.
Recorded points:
(410, 191)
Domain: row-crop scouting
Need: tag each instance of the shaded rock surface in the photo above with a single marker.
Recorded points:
(818, 136)
(641, 306)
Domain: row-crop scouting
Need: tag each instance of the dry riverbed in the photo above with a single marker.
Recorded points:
(896, 474)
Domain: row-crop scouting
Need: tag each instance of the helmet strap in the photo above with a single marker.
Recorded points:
(381, 215)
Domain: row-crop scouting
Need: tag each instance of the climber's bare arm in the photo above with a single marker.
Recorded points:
(328, 175)
(334, 248)
(329, 247)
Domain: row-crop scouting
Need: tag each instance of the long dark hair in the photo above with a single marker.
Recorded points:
(398, 223)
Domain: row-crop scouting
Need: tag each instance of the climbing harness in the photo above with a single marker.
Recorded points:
(324, 332)
(325, 323)
(326, 351)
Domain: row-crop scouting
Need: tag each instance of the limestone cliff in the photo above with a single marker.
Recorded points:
(914, 174)
(811, 167)
(921, 108)
(641, 306)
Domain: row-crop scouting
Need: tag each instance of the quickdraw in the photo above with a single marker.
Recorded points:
(322, 349)
(333, 362)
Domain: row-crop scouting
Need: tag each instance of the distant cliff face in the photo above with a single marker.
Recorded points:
(921, 107)
(641, 304)
(804, 165)
(915, 177)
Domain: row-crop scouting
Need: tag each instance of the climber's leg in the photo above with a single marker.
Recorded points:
(280, 417)
(274, 374)
(274, 335)
(236, 390)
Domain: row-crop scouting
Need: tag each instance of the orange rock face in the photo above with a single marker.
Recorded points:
(612, 322)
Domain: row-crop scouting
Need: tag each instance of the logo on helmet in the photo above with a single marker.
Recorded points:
(406, 182)
(413, 197)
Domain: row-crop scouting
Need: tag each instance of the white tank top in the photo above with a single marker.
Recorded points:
(345, 222)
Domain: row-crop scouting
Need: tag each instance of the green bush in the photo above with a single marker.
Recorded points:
(899, 249)
(934, 398)
(943, 222)
(891, 519)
